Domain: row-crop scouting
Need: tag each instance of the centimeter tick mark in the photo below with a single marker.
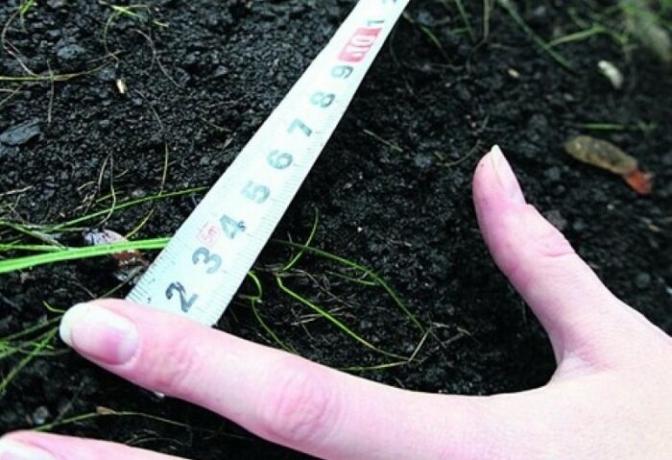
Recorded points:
(206, 261)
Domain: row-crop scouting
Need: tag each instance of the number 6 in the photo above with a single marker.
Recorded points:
(280, 160)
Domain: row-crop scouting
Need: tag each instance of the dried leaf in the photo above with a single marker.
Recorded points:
(130, 263)
(608, 156)
(640, 182)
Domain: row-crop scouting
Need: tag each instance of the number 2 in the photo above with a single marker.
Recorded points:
(185, 303)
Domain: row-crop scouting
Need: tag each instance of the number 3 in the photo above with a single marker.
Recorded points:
(204, 256)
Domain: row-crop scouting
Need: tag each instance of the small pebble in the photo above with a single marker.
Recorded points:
(220, 71)
(643, 280)
(611, 73)
(538, 122)
(7, 151)
(667, 159)
(40, 415)
(579, 225)
(121, 86)
(513, 73)
(71, 55)
(21, 134)
(462, 93)
(107, 74)
(423, 161)
(553, 174)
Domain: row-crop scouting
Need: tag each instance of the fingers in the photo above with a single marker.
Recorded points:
(34, 446)
(278, 396)
(566, 295)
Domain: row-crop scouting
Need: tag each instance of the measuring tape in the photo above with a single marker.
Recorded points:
(205, 263)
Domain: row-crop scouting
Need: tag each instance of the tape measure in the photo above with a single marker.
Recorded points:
(206, 261)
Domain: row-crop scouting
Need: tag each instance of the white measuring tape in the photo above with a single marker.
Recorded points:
(205, 263)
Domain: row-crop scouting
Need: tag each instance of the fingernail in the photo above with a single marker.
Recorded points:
(507, 179)
(13, 450)
(99, 334)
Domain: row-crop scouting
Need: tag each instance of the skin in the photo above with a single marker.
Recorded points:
(609, 398)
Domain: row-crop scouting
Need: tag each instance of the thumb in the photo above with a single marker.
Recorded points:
(573, 305)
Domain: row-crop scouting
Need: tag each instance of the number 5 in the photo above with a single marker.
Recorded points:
(258, 193)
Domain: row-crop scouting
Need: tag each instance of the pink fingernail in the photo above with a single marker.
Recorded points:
(14, 450)
(507, 179)
(99, 334)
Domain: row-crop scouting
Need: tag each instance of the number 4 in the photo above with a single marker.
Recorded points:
(231, 227)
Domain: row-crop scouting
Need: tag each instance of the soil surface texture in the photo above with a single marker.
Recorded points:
(192, 80)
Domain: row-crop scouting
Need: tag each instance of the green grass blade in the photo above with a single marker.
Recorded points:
(25, 361)
(256, 299)
(29, 330)
(367, 271)
(518, 19)
(21, 263)
(335, 321)
(309, 241)
(25, 7)
(29, 248)
(33, 232)
(109, 413)
(352, 279)
(375, 367)
(125, 205)
(578, 36)
(465, 19)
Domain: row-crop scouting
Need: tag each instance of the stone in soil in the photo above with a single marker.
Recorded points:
(20, 134)
(71, 56)
(40, 415)
(7, 151)
(643, 280)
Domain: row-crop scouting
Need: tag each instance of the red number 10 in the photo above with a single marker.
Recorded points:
(359, 44)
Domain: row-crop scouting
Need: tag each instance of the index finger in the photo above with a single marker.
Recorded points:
(279, 396)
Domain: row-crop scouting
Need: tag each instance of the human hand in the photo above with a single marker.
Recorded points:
(608, 399)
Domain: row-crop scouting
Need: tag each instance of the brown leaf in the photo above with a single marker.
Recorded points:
(130, 263)
(608, 156)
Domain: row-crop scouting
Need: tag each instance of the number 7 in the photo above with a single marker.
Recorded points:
(298, 124)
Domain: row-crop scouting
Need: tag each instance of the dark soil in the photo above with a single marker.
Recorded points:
(204, 84)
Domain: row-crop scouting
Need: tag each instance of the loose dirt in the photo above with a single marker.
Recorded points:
(392, 188)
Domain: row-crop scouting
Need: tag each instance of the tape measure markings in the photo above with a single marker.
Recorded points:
(205, 263)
